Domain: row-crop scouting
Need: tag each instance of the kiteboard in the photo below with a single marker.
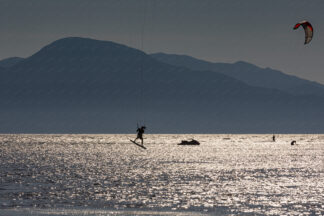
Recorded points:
(138, 144)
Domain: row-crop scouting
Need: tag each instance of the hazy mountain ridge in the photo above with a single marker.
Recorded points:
(248, 73)
(9, 62)
(79, 85)
(84, 63)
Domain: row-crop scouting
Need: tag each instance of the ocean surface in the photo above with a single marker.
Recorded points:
(108, 175)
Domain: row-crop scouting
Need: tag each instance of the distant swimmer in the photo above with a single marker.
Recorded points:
(293, 142)
(140, 132)
(274, 138)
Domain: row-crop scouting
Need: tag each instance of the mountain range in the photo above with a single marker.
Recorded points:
(248, 73)
(81, 85)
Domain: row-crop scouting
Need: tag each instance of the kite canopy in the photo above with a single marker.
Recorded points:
(308, 28)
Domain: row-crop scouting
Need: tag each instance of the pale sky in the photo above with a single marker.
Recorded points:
(257, 31)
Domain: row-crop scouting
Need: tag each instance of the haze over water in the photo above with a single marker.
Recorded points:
(108, 175)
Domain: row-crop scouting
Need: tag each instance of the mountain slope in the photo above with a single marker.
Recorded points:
(248, 73)
(79, 85)
(9, 62)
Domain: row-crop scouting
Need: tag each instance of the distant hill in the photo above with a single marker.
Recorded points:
(9, 62)
(79, 85)
(248, 73)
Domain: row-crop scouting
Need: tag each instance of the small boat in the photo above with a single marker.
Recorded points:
(191, 142)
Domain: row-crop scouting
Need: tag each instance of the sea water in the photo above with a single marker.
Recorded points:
(108, 175)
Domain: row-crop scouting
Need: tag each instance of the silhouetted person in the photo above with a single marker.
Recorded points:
(140, 132)
(274, 138)
(293, 142)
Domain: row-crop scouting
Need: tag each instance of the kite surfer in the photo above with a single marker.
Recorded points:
(140, 132)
